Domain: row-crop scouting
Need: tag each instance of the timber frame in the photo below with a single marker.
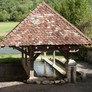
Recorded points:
(41, 31)
(30, 53)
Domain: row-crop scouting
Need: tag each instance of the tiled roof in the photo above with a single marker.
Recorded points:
(44, 26)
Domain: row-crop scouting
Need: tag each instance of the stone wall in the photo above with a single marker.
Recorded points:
(12, 72)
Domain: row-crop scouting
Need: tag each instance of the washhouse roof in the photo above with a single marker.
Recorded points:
(44, 26)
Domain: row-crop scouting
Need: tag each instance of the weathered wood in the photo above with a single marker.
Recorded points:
(66, 55)
(21, 50)
(26, 59)
(61, 71)
(54, 57)
(35, 56)
(54, 71)
(45, 72)
(54, 47)
(22, 54)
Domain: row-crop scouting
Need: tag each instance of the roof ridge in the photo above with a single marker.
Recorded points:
(67, 21)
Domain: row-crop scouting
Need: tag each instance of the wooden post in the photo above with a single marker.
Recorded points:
(54, 72)
(22, 54)
(45, 72)
(54, 57)
(31, 63)
(65, 53)
(66, 64)
(26, 59)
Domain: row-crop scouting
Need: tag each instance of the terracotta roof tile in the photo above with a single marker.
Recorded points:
(44, 26)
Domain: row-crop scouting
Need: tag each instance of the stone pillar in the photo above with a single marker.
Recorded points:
(71, 71)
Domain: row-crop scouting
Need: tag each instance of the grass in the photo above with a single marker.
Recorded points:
(10, 58)
(3, 56)
(7, 26)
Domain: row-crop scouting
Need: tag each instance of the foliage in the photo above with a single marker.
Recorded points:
(14, 10)
(4, 16)
(78, 12)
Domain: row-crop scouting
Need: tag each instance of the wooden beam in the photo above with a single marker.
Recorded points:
(45, 71)
(36, 55)
(54, 47)
(21, 50)
(22, 54)
(64, 53)
(31, 55)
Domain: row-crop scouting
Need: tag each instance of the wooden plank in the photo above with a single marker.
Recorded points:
(61, 60)
(61, 71)
(62, 63)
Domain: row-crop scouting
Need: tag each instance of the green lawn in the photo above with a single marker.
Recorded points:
(7, 26)
(7, 58)
(10, 56)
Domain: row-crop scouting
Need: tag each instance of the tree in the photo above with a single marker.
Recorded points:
(76, 11)
(4, 16)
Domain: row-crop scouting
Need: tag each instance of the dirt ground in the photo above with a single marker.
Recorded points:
(81, 86)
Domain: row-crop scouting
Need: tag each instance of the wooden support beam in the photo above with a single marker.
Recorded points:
(35, 56)
(45, 72)
(66, 64)
(31, 63)
(45, 48)
(26, 59)
(54, 71)
(22, 54)
(54, 57)
(22, 50)
(66, 53)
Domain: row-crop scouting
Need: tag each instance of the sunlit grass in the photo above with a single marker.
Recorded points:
(7, 26)
(10, 56)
